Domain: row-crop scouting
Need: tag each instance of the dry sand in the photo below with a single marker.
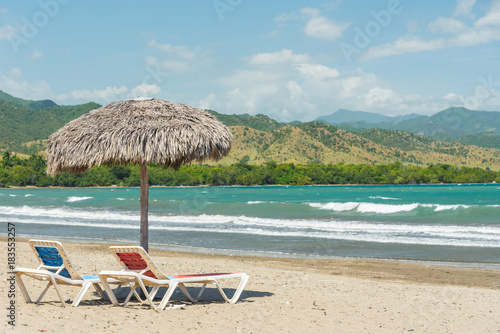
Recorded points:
(282, 296)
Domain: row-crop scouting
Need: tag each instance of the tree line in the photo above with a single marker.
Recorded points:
(15, 171)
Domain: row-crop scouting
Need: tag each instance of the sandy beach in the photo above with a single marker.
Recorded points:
(282, 296)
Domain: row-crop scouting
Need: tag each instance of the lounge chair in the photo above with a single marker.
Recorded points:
(139, 271)
(55, 268)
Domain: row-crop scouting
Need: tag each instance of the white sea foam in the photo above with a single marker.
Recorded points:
(450, 207)
(336, 206)
(385, 208)
(77, 199)
(120, 199)
(382, 197)
(378, 208)
(28, 195)
(451, 238)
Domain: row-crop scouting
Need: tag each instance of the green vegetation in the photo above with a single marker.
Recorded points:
(25, 121)
(15, 171)
(397, 139)
(257, 122)
(486, 139)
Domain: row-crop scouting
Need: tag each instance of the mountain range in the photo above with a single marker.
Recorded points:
(25, 125)
(480, 128)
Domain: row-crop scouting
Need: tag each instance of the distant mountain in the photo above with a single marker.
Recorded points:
(258, 122)
(446, 125)
(453, 123)
(42, 104)
(347, 116)
(22, 122)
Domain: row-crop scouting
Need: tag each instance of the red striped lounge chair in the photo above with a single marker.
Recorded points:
(139, 271)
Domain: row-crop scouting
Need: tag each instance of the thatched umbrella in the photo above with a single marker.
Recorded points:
(138, 131)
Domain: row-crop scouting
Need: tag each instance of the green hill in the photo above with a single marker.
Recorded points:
(24, 121)
(258, 122)
(485, 139)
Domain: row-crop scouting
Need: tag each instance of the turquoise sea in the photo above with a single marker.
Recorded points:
(438, 223)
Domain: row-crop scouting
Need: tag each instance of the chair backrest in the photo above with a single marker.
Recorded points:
(135, 258)
(53, 257)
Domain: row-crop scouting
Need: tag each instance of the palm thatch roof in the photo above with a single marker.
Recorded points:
(137, 131)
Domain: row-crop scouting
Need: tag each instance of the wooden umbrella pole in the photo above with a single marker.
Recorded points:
(144, 206)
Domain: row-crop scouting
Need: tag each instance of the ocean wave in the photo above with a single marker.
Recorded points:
(72, 199)
(449, 238)
(382, 197)
(336, 206)
(261, 202)
(378, 208)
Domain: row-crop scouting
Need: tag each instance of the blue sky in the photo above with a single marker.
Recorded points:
(291, 60)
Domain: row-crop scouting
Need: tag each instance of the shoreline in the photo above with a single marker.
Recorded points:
(425, 272)
(264, 185)
(273, 255)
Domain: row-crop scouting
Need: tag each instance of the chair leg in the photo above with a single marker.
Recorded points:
(83, 290)
(238, 291)
(133, 292)
(97, 288)
(109, 291)
(168, 295)
(148, 297)
(186, 293)
(43, 292)
(57, 290)
(22, 287)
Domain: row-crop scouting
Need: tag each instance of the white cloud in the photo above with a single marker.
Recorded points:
(309, 12)
(14, 84)
(464, 7)
(492, 18)
(323, 28)
(177, 58)
(446, 25)
(207, 102)
(317, 26)
(110, 94)
(181, 51)
(307, 89)
(105, 95)
(284, 56)
(484, 30)
(317, 72)
(36, 54)
(16, 73)
(401, 46)
(145, 90)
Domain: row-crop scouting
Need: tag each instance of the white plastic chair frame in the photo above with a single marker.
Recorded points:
(138, 279)
(53, 274)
